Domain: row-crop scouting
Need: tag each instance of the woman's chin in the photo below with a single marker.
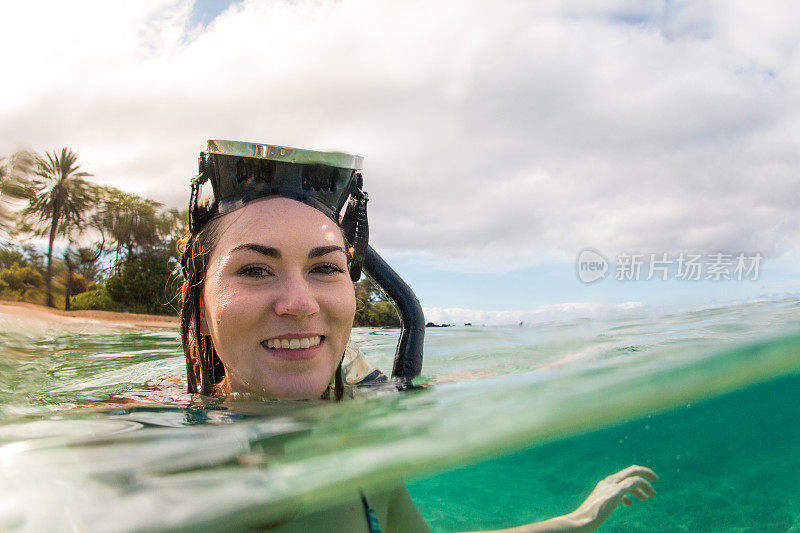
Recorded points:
(272, 381)
(296, 387)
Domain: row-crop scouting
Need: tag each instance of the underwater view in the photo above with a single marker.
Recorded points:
(509, 425)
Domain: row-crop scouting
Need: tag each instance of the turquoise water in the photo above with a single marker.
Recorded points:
(514, 425)
(726, 464)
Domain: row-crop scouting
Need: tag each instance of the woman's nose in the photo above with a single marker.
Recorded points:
(296, 299)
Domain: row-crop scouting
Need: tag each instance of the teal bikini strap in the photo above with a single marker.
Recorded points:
(372, 519)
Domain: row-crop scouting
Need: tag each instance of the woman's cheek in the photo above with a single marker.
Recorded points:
(230, 309)
(343, 306)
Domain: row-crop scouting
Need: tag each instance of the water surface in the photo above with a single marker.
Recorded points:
(97, 434)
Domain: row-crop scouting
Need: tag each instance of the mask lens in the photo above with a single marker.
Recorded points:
(237, 180)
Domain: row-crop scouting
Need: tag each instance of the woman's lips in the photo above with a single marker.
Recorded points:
(294, 354)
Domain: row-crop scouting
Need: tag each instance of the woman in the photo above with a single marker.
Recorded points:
(268, 304)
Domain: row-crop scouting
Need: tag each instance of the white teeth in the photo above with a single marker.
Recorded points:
(293, 344)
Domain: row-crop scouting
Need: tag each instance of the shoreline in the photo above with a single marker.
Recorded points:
(24, 310)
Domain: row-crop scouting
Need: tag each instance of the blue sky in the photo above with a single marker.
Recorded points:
(556, 283)
(498, 143)
(205, 11)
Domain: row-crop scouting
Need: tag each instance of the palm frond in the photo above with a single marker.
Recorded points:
(14, 185)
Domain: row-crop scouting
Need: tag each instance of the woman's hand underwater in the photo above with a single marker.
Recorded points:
(600, 503)
(611, 491)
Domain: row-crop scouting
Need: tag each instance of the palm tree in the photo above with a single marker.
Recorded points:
(4, 196)
(58, 201)
(13, 184)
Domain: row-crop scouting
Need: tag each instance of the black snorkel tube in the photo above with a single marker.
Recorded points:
(408, 357)
(240, 172)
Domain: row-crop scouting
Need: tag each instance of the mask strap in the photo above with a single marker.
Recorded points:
(195, 220)
(195, 217)
(356, 228)
(361, 238)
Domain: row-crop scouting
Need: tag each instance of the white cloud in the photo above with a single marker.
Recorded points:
(503, 135)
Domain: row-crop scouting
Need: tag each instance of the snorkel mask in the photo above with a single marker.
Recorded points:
(330, 182)
(241, 172)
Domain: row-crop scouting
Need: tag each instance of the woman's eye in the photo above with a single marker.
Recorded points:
(327, 268)
(254, 272)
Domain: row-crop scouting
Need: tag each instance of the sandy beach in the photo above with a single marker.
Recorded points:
(21, 311)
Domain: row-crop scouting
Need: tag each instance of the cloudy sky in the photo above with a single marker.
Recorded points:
(498, 141)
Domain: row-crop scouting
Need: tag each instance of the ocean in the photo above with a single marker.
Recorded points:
(510, 425)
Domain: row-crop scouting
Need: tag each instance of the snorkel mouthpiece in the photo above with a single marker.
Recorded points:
(241, 172)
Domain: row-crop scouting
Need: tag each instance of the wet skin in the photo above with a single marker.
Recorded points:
(278, 271)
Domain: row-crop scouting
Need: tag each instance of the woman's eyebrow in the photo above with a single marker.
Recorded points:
(269, 251)
(324, 250)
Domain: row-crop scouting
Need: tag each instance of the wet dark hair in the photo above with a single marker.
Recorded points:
(204, 369)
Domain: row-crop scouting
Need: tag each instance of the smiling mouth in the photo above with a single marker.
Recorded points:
(293, 344)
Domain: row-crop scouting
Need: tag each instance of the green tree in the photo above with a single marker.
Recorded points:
(75, 282)
(372, 307)
(85, 261)
(21, 282)
(25, 255)
(141, 235)
(58, 200)
(146, 283)
(173, 224)
(385, 314)
(129, 221)
(94, 299)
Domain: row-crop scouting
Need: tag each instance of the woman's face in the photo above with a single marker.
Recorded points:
(278, 301)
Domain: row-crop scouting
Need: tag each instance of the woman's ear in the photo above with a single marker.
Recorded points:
(204, 330)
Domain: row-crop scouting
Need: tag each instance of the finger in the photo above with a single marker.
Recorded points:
(624, 473)
(640, 493)
(646, 487)
(635, 470)
(637, 483)
(626, 501)
(647, 473)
